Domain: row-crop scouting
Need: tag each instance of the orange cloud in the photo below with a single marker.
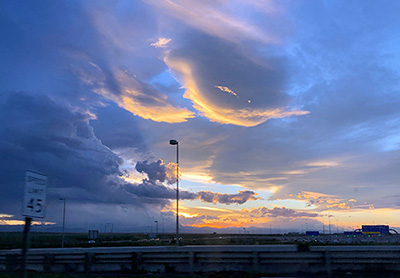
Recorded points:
(241, 117)
(138, 98)
(325, 201)
(279, 212)
(5, 219)
(256, 217)
(148, 106)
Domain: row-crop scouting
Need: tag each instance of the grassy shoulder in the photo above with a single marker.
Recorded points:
(146, 275)
(13, 240)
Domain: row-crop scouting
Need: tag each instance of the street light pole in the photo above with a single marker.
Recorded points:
(63, 230)
(156, 227)
(175, 142)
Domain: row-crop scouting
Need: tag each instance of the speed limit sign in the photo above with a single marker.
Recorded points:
(35, 195)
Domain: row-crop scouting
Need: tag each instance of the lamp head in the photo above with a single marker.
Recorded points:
(173, 142)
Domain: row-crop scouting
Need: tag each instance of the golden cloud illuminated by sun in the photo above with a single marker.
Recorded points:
(22, 222)
(325, 200)
(241, 117)
(161, 112)
(133, 97)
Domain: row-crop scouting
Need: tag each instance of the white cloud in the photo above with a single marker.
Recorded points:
(161, 43)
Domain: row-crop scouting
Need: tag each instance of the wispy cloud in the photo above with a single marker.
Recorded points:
(227, 90)
(161, 43)
(211, 20)
(326, 201)
(279, 212)
(137, 97)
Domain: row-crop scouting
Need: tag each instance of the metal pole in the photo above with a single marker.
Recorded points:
(175, 142)
(63, 230)
(337, 225)
(156, 227)
(330, 234)
(25, 248)
(177, 193)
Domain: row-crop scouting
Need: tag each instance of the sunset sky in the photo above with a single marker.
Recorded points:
(287, 112)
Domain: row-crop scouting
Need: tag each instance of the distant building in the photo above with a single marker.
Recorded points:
(375, 229)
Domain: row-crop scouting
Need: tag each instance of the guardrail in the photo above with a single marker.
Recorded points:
(190, 259)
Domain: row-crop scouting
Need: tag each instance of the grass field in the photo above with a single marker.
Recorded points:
(12, 240)
(147, 275)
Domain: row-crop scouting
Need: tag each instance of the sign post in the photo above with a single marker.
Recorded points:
(33, 206)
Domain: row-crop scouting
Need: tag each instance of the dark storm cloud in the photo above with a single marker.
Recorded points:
(156, 171)
(151, 189)
(39, 134)
(117, 134)
(240, 198)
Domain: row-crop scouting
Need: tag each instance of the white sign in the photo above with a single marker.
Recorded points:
(35, 195)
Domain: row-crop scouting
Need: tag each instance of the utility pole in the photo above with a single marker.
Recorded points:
(63, 229)
(175, 142)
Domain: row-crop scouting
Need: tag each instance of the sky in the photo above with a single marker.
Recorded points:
(287, 113)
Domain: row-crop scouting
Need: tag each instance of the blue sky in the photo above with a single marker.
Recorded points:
(285, 111)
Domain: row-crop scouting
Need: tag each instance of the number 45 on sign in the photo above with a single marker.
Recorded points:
(35, 195)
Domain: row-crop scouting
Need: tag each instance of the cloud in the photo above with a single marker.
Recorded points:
(139, 98)
(280, 212)
(193, 221)
(85, 96)
(151, 189)
(208, 18)
(121, 134)
(214, 61)
(325, 201)
(161, 43)
(64, 147)
(227, 90)
(158, 171)
(240, 198)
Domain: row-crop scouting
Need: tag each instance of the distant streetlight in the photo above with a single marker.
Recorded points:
(63, 230)
(175, 142)
(156, 227)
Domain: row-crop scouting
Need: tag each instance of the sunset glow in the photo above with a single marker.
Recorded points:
(282, 114)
